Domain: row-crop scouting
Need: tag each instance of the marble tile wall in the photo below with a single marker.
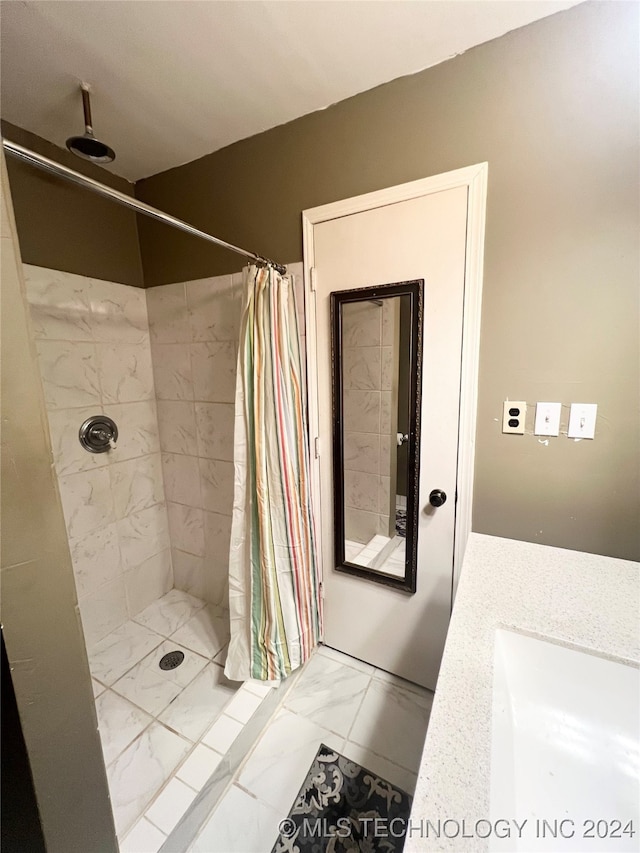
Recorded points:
(92, 338)
(368, 331)
(194, 328)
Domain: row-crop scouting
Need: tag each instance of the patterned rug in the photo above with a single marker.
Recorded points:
(401, 522)
(343, 808)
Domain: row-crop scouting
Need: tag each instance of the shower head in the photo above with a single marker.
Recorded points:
(87, 146)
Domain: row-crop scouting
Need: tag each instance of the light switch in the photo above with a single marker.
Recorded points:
(547, 419)
(582, 420)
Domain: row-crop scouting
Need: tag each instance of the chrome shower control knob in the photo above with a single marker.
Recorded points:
(437, 497)
(98, 434)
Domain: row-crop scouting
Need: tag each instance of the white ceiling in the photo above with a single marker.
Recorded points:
(177, 79)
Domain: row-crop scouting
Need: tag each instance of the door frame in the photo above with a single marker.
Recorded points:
(474, 178)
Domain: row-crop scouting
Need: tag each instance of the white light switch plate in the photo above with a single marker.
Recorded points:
(547, 419)
(582, 420)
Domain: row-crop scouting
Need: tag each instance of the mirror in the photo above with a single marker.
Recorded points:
(376, 368)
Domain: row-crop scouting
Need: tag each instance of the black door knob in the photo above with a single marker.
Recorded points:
(437, 497)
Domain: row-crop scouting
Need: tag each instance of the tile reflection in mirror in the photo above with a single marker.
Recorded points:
(376, 332)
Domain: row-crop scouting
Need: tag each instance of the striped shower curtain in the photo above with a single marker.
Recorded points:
(274, 600)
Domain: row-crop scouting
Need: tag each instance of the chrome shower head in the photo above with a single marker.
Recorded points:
(87, 146)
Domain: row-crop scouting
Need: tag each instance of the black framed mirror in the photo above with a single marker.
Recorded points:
(376, 353)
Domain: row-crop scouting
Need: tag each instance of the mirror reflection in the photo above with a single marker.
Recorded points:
(375, 429)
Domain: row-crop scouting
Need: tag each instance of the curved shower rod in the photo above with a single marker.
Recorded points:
(60, 171)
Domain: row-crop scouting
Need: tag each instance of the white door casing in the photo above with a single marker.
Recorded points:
(431, 229)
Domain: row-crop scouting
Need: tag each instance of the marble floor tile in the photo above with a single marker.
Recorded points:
(393, 773)
(347, 660)
(199, 766)
(97, 688)
(194, 710)
(222, 733)
(260, 688)
(153, 688)
(120, 650)
(392, 722)
(329, 693)
(170, 805)
(206, 632)
(141, 770)
(243, 705)
(143, 838)
(119, 723)
(240, 824)
(394, 680)
(280, 762)
(168, 613)
(221, 657)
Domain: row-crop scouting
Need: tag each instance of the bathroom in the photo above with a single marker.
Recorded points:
(109, 312)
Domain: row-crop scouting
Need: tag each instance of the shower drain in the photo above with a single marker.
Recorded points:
(171, 660)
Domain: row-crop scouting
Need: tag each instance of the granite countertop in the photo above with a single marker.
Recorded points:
(574, 598)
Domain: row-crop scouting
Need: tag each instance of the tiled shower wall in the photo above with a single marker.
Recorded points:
(92, 338)
(194, 330)
(370, 365)
(155, 513)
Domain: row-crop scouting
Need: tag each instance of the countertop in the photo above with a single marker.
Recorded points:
(581, 600)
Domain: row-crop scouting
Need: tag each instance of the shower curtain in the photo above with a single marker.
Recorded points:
(274, 600)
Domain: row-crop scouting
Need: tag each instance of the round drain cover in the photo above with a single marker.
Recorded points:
(171, 660)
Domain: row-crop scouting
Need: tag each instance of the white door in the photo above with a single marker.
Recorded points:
(419, 238)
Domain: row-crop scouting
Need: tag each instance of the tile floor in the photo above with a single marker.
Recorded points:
(372, 717)
(380, 553)
(163, 733)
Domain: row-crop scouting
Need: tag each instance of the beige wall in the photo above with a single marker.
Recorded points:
(64, 227)
(40, 620)
(553, 108)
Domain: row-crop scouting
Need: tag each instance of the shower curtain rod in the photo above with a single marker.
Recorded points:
(60, 171)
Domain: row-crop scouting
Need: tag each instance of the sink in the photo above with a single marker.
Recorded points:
(564, 748)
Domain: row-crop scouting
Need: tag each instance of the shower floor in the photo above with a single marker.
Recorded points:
(366, 714)
(163, 733)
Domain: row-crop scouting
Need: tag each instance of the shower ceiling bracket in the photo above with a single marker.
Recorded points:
(60, 171)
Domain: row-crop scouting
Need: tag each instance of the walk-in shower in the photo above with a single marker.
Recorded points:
(142, 454)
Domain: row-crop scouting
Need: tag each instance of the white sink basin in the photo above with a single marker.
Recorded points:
(565, 747)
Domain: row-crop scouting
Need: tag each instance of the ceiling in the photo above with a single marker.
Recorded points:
(175, 80)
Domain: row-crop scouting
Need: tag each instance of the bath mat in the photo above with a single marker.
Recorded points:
(344, 808)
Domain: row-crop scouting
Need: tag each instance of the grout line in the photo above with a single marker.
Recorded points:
(137, 737)
(250, 793)
(357, 713)
(133, 826)
(120, 575)
(386, 757)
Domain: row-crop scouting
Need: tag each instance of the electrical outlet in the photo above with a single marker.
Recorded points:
(513, 415)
